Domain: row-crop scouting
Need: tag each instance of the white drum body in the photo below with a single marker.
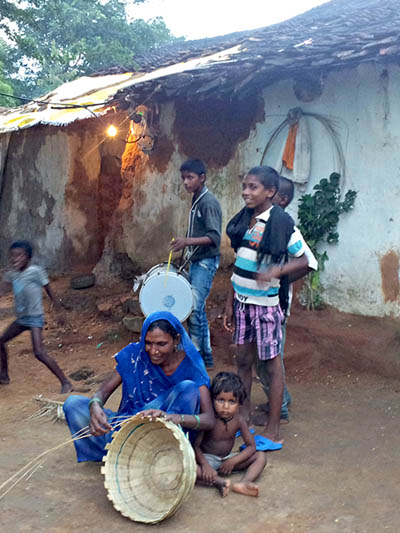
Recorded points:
(166, 292)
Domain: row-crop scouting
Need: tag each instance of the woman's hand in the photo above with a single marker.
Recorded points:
(99, 424)
(152, 414)
(176, 419)
(208, 474)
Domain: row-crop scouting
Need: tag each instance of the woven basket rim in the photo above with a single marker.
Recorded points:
(120, 439)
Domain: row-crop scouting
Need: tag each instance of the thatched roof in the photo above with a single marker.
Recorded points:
(335, 35)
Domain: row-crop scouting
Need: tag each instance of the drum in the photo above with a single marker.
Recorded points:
(166, 292)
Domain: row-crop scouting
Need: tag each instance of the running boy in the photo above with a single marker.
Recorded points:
(263, 237)
(283, 198)
(202, 244)
(27, 281)
(213, 448)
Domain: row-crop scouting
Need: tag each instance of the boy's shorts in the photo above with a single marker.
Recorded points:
(34, 321)
(215, 461)
(259, 324)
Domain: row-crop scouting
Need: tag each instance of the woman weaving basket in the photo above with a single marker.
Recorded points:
(162, 375)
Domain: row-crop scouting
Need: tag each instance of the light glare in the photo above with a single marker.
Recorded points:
(112, 131)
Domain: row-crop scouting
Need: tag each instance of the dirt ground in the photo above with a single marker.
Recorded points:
(339, 469)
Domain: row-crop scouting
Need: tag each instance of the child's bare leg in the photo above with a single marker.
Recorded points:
(223, 485)
(272, 427)
(11, 332)
(255, 465)
(42, 356)
(244, 364)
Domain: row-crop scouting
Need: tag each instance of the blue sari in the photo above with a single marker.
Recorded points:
(144, 386)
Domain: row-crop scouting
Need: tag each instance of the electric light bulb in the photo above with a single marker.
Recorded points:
(112, 131)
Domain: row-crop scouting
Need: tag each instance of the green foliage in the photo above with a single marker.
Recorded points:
(5, 83)
(318, 219)
(54, 41)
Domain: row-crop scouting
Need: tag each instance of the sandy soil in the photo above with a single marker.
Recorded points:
(339, 469)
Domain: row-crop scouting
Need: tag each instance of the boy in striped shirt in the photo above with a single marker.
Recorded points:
(263, 236)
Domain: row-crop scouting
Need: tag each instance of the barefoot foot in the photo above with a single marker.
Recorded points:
(66, 387)
(223, 485)
(272, 435)
(245, 487)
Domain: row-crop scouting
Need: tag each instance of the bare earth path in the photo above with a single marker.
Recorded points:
(339, 469)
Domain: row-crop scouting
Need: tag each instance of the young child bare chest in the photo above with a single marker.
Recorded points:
(221, 439)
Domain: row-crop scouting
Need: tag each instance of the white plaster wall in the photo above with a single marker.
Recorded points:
(369, 126)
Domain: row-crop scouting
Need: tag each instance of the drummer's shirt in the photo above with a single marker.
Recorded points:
(205, 220)
(247, 289)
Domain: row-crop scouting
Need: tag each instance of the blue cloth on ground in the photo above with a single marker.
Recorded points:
(144, 386)
(263, 444)
(238, 433)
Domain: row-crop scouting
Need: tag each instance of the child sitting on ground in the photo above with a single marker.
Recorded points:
(213, 448)
(27, 281)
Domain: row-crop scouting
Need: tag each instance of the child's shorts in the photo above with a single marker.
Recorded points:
(259, 324)
(215, 461)
(36, 321)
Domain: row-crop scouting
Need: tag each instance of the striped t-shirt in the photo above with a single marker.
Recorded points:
(245, 285)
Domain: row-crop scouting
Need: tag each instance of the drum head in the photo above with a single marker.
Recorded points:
(171, 293)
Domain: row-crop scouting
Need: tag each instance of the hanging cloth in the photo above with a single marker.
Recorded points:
(296, 156)
(290, 147)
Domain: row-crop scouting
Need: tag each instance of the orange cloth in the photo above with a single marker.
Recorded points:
(290, 147)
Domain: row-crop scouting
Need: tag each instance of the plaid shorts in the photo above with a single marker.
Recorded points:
(259, 324)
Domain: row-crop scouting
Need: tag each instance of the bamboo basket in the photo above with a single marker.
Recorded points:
(149, 469)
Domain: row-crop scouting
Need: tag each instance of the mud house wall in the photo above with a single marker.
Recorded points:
(53, 193)
(154, 205)
(362, 272)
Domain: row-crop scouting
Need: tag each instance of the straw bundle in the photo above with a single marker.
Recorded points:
(149, 469)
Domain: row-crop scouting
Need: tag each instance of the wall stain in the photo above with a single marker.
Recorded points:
(109, 195)
(212, 129)
(83, 196)
(20, 179)
(389, 264)
(384, 85)
(161, 155)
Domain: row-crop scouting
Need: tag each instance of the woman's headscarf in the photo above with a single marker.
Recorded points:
(186, 342)
(142, 381)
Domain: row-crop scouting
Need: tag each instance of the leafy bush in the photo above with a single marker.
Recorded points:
(318, 219)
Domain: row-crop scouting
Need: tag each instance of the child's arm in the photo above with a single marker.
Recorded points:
(208, 474)
(229, 465)
(182, 242)
(290, 268)
(212, 218)
(58, 308)
(312, 264)
(228, 313)
(5, 288)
